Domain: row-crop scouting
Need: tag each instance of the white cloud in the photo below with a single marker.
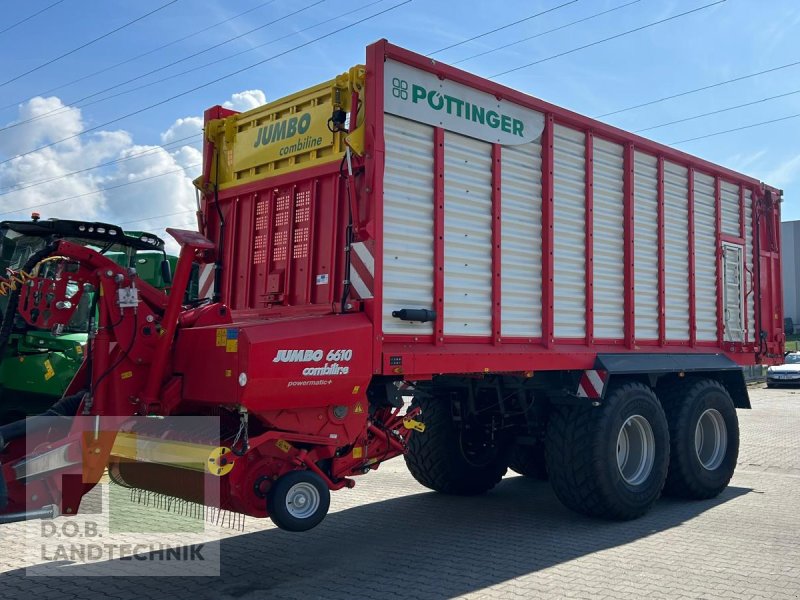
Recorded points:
(246, 100)
(744, 161)
(182, 128)
(785, 173)
(135, 193)
(62, 123)
(152, 182)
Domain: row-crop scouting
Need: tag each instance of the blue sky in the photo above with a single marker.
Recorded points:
(729, 39)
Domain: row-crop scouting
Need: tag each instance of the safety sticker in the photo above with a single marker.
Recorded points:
(228, 373)
(222, 337)
(126, 375)
(231, 340)
(49, 372)
(356, 389)
(358, 452)
(358, 408)
(283, 445)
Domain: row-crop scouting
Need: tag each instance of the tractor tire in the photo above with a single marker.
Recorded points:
(704, 439)
(442, 459)
(529, 461)
(610, 461)
(298, 501)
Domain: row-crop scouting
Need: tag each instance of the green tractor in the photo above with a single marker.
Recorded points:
(36, 366)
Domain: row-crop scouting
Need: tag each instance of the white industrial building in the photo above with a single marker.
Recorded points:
(790, 250)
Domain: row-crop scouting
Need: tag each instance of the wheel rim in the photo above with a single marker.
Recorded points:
(635, 450)
(711, 439)
(302, 500)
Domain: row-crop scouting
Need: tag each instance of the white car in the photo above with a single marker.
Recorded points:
(786, 374)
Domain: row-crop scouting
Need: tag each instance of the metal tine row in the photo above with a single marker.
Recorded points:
(195, 510)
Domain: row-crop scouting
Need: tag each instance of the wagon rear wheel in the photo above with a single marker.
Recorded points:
(704, 434)
(610, 461)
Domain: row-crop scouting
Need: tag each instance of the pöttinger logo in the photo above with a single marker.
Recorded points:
(400, 88)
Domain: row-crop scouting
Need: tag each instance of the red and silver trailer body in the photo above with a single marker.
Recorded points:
(537, 238)
(558, 296)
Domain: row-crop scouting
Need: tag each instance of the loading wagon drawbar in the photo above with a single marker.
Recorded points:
(557, 296)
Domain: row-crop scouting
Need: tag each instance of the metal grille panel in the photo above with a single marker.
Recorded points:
(645, 246)
(408, 223)
(705, 257)
(467, 236)
(521, 240)
(676, 251)
(569, 239)
(608, 247)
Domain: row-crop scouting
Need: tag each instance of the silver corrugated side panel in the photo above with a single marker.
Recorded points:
(730, 208)
(521, 241)
(408, 223)
(705, 257)
(467, 236)
(608, 245)
(676, 251)
(750, 293)
(645, 246)
(569, 235)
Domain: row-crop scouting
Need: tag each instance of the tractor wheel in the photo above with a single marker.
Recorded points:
(298, 501)
(609, 461)
(529, 461)
(704, 439)
(453, 460)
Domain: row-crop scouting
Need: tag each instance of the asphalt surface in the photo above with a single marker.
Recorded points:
(391, 538)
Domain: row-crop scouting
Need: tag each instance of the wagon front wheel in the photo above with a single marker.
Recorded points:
(298, 501)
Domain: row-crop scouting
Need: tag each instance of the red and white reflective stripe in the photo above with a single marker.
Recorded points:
(592, 383)
(206, 281)
(362, 270)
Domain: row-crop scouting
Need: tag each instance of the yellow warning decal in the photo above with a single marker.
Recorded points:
(49, 372)
(283, 445)
(358, 452)
(228, 373)
(126, 375)
(356, 389)
(358, 409)
(222, 337)
(231, 345)
(78, 349)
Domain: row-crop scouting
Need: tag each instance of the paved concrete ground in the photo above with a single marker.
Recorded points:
(390, 538)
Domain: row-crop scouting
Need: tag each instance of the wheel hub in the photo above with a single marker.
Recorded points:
(635, 450)
(302, 500)
(478, 450)
(711, 439)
